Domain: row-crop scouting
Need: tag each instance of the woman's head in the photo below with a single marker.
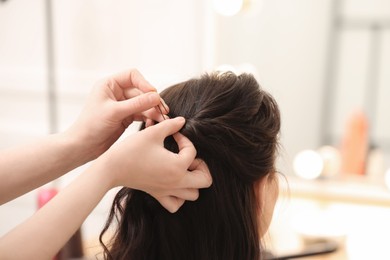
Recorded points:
(234, 126)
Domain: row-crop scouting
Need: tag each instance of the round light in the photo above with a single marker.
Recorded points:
(227, 7)
(225, 68)
(308, 164)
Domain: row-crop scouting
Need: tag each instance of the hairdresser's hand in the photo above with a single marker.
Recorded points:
(141, 162)
(113, 105)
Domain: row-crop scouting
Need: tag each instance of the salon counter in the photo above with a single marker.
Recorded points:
(352, 189)
(351, 211)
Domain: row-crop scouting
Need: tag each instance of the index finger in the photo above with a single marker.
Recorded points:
(133, 79)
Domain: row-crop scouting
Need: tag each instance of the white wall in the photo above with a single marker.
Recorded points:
(286, 42)
(22, 71)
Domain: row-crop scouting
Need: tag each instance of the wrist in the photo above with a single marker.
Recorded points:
(75, 148)
(90, 142)
(103, 172)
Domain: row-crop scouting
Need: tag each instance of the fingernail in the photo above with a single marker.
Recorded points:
(180, 119)
(153, 97)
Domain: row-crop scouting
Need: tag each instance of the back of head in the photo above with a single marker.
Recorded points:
(234, 126)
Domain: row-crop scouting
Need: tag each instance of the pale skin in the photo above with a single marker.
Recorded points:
(139, 161)
(267, 191)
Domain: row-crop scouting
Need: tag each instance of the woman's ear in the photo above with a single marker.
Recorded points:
(259, 191)
(266, 191)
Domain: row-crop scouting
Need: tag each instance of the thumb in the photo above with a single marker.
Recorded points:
(136, 104)
(167, 127)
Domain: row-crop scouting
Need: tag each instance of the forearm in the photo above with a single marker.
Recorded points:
(27, 167)
(47, 230)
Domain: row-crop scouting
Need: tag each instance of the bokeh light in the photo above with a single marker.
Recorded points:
(227, 7)
(308, 164)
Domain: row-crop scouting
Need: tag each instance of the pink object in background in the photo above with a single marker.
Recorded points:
(73, 249)
(44, 195)
(354, 146)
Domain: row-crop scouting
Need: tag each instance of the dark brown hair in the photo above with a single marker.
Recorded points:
(234, 126)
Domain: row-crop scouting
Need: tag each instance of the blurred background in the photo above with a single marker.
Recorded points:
(326, 62)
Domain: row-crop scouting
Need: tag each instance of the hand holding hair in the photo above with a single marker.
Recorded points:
(113, 105)
(141, 162)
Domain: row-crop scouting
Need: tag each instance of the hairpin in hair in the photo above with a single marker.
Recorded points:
(165, 109)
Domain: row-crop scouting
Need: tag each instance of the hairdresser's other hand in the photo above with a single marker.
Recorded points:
(113, 105)
(141, 162)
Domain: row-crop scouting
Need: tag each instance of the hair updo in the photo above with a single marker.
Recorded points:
(234, 126)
